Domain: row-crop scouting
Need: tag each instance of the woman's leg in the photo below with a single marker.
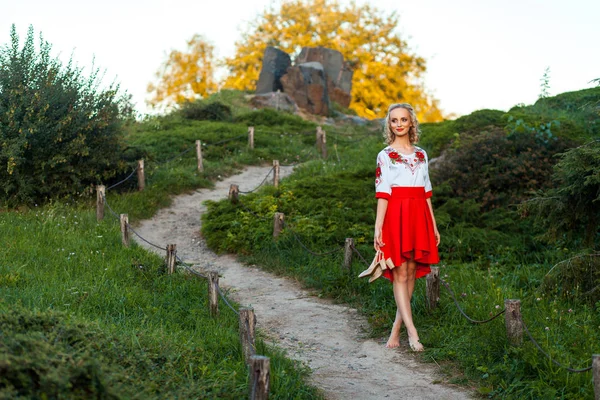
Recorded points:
(394, 340)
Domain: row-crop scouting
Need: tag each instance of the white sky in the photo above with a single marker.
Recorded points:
(480, 54)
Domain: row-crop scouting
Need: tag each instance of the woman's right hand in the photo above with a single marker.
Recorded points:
(377, 239)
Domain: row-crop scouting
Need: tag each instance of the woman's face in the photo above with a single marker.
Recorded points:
(400, 121)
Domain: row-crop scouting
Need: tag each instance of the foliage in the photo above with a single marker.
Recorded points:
(545, 84)
(115, 325)
(272, 118)
(214, 111)
(499, 170)
(385, 70)
(489, 251)
(59, 131)
(185, 75)
(570, 209)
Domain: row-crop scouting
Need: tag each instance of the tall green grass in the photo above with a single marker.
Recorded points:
(100, 320)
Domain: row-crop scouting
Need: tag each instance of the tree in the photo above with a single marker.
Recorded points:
(185, 76)
(385, 70)
(59, 131)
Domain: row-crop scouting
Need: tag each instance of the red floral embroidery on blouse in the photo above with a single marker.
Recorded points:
(378, 172)
(420, 156)
(393, 155)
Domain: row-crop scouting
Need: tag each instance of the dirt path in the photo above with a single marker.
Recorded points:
(329, 338)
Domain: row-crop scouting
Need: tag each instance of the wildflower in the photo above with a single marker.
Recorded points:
(538, 299)
(463, 295)
(547, 328)
(497, 306)
(570, 310)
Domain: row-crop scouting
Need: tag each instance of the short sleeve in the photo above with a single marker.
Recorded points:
(428, 188)
(383, 188)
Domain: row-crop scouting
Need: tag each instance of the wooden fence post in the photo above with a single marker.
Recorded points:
(234, 191)
(171, 258)
(140, 175)
(276, 173)
(199, 156)
(348, 246)
(251, 137)
(213, 293)
(100, 191)
(260, 376)
(278, 224)
(247, 327)
(323, 145)
(433, 288)
(514, 324)
(596, 374)
(124, 219)
(319, 141)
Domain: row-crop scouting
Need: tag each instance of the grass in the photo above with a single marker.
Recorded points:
(110, 322)
(488, 257)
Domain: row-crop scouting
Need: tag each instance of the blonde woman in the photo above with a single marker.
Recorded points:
(406, 235)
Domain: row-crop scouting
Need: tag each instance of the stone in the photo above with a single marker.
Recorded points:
(338, 72)
(274, 65)
(306, 83)
(277, 100)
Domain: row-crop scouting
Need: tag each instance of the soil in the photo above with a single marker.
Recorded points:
(331, 339)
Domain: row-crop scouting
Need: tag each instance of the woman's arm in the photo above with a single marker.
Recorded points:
(435, 229)
(381, 210)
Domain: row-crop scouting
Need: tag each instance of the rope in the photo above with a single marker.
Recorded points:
(548, 355)
(145, 240)
(226, 140)
(447, 286)
(123, 181)
(188, 267)
(263, 181)
(227, 301)
(174, 157)
(109, 207)
(360, 255)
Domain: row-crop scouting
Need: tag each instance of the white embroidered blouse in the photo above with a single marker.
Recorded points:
(396, 169)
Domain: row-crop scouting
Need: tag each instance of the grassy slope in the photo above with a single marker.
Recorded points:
(326, 202)
(99, 320)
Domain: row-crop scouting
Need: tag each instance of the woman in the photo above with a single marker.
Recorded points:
(406, 235)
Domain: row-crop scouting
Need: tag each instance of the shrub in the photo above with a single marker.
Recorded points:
(59, 131)
(496, 169)
(570, 208)
(269, 117)
(206, 112)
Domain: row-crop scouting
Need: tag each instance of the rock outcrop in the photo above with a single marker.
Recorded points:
(274, 65)
(318, 76)
(307, 85)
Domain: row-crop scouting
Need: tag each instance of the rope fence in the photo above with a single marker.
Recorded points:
(259, 365)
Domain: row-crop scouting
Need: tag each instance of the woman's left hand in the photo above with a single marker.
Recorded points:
(436, 233)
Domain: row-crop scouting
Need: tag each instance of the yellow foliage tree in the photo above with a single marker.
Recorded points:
(185, 76)
(385, 70)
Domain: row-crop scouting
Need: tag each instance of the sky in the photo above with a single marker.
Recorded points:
(479, 54)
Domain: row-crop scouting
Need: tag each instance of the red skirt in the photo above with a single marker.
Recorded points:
(408, 230)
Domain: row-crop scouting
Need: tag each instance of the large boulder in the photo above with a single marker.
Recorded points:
(277, 100)
(274, 65)
(338, 72)
(307, 84)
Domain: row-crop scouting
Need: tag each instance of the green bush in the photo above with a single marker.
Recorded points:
(269, 117)
(206, 112)
(59, 131)
(499, 170)
(570, 210)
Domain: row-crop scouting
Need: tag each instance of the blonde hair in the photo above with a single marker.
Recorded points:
(415, 131)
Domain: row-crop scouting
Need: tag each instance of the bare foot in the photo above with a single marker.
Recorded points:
(394, 340)
(415, 345)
